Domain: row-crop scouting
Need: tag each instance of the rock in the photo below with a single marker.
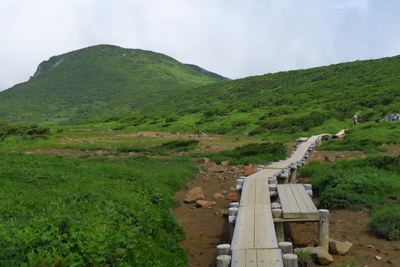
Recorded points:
(204, 203)
(339, 248)
(231, 196)
(313, 243)
(201, 133)
(218, 168)
(319, 252)
(329, 159)
(370, 246)
(194, 194)
(131, 153)
(232, 188)
(225, 163)
(201, 160)
(378, 258)
(340, 156)
(224, 192)
(211, 164)
(100, 152)
(217, 195)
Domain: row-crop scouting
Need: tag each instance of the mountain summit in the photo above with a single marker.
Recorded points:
(96, 82)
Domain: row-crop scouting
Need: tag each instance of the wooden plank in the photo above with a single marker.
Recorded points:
(248, 197)
(238, 258)
(307, 207)
(289, 204)
(295, 220)
(257, 258)
(264, 230)
(269, 257)
(243, 236)
(262, 192)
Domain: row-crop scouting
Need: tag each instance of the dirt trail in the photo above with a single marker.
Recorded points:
(205, 230)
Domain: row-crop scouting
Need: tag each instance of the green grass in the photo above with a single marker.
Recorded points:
(385, 221)
(249, 153)
(90, 212)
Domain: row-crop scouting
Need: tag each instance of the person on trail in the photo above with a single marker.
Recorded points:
(393, 118)
(398, 116)
(390, 117)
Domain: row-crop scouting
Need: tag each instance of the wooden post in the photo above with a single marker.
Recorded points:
(234, 205)
(232, 221)
(293, 173)
(277, 213)
(239, 187)
(272, 180)
(280, 234)
(323, 229)
(307, 186)
(233, 211)
(275, 206)
(223, 261)
(290, 260)
(223, 249)
(272, 187)
(286, 247)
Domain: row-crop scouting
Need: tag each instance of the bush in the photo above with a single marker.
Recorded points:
(385, 221)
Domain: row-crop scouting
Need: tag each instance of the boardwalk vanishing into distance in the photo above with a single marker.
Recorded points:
(266, 200)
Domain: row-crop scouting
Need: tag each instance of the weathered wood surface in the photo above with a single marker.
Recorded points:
(259, 258)
(254, 229)
(296, 203)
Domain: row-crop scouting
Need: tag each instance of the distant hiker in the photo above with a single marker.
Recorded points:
(355, 119)
(398, 116)
(390, 117)
(393, 118)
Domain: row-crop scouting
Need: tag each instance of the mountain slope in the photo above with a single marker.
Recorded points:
(342, 87)
(76, 86)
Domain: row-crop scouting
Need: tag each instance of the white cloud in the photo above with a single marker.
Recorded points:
(231, 37)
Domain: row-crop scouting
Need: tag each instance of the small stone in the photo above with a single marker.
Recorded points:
(224, 192)
(204, 203)
(231, 196)
(378, 258)
(202, 160)
(370, 246)
(339, 248)
(232, 188)
(196, 193)
(225, 163)
(217, 195)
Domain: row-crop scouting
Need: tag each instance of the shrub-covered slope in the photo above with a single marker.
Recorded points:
(96, 82)
(341, 87)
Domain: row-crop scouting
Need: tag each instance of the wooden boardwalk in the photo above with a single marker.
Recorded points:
(254, 241)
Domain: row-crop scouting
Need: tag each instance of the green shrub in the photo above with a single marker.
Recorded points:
(305, 258)
(385, 221)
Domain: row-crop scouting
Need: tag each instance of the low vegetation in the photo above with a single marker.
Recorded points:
(249, 154)
(89, 212)
(356, 184)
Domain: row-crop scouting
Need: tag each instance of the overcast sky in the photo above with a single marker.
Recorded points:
(234, 38)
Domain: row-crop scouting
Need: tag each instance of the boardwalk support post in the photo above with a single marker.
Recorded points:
(280, 234)
(323, 229)
(232, 221)
(223, 261)
(293, 173)
(223, 249)
(290, 260)
(286, 247)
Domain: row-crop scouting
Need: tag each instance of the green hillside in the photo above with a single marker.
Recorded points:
(301, 102)
(341, 87)
(96, 82)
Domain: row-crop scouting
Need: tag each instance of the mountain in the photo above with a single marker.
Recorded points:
(96, 82)
(209, 73)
